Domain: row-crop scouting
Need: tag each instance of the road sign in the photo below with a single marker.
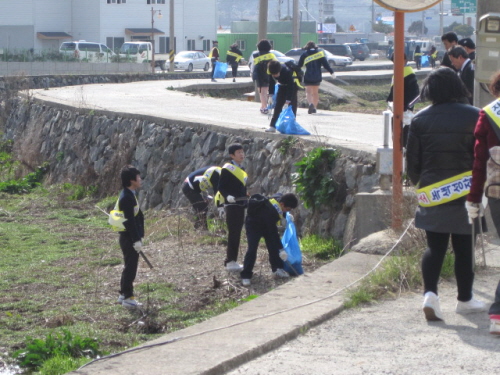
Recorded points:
(465, 6)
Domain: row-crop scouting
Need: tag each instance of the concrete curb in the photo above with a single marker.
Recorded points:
(248, 331)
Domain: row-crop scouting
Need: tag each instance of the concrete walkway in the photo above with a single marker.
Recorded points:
(164, 99)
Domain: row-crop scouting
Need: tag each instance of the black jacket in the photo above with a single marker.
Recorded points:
(231, 59)
(286, 81)
(411, 91)
(134, 224)
(313, 69)
(467, 76)
(441, 143)
(259, 72)
(214, 179)
(229, 184)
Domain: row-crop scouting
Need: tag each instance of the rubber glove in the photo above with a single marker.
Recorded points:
(138, 246)
(222, 213)
(283, 255)
(473, 210)
(333, 75)
(231, 199)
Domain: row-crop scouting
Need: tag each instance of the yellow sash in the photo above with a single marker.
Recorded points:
(445, 191)
(316, 56)
(204, 180)
(276, 205)
(417, 54)
(493, 111)
(212, 51)
(238, 57)
(434, 55)
(266, 57)
(239, 173)
(117, 218)
(406, 72)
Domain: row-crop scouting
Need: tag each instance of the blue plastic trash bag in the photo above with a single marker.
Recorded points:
(287, 124)
(220, 70)
(425, 61)
(273, 103)
(291, 245)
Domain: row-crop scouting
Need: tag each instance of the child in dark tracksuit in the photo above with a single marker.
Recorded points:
(263, 216)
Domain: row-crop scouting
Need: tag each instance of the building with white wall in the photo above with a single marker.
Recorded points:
(45, 24)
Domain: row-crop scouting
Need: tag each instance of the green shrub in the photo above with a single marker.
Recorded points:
(314, 183)
(321, 248)
(77, 192)
(25, 184)
(63, 344)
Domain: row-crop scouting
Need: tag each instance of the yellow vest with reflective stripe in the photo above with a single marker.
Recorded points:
(316, 56)
(117, 218)
(212, 52)
(445, 191)
(204, 180)
(238, 57)
(406, 72)
(237, 172)
(267, 57)
(493, 111)
(276, 205)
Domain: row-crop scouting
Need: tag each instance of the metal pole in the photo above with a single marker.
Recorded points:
(397, 187)
(171, 46)
(263, 7)
(296, 24)
(152, 40)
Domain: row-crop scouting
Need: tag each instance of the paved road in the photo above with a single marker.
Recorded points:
(164, 99)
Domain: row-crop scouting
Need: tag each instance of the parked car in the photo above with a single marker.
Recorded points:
(333, 60)
(279, 55)
(86, 51)
(337, 49)
(360, 51)
(189, 60)
(142, 52)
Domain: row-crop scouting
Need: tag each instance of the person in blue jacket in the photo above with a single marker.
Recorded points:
(313, 59)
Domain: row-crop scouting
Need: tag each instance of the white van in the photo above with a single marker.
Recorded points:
(86, 51)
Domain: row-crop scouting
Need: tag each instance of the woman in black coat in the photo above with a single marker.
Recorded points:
(439, 154)
(233, 58)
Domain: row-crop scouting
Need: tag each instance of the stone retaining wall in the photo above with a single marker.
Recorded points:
(89, 147)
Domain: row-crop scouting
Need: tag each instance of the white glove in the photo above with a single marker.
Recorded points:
(222, 213)
(138, 246)
(231, 199)
(269, 100)
(290, 217)
(333, 75)
(283, 255)
(473, 210)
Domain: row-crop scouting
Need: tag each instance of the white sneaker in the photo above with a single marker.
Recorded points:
(471, 306)
(431, 307)
(281, 274)
(120, 299)
(245, 282)
(271, 130)
(495, 327)
(232, 266)
(131, 303)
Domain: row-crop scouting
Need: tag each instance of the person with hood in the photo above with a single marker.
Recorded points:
(233, 58)
(313, 59)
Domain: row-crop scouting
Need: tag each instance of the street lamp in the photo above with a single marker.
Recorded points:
(153, 12)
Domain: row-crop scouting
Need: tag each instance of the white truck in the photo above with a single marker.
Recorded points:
(142, 52)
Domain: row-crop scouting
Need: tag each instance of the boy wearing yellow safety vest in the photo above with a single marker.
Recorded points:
(195, 186)
(287, 93)
(130, 238)
(233, 58)
(232, 193)
(264, 215)
(214, 57)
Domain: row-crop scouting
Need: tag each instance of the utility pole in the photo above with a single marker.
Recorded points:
(171, 47)
(263, 8)
(296, 25)
(441, 10)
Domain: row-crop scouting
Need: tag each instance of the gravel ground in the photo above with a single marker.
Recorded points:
(392, 337)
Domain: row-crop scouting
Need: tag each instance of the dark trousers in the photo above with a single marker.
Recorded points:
(131, 261)
(235, 216)
(234, 68)
(280, 102)
(257, 227)
(433, 258)
(200, 206)
(213, 67)
(494, 205)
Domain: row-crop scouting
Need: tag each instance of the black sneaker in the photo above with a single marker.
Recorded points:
(311, 109)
